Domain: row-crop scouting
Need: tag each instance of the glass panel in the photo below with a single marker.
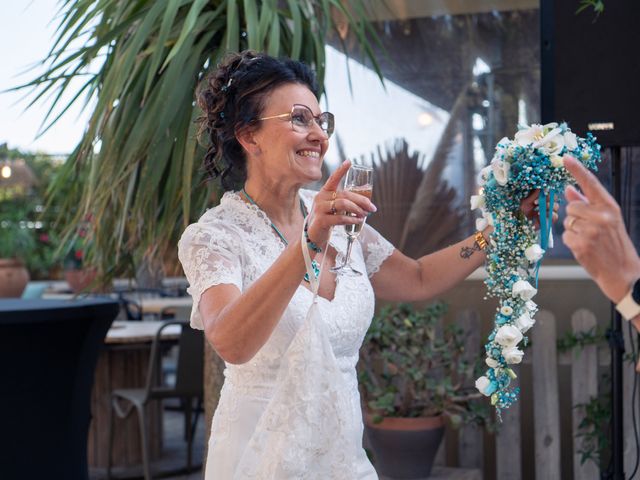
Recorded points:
(454, 85)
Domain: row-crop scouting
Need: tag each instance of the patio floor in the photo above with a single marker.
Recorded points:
(174, 454)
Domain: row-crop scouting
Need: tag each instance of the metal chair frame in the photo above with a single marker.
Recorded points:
(188, 385)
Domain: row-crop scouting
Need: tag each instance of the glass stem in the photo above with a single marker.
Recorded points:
(347, 258)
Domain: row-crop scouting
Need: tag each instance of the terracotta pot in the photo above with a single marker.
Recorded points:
(13, 277)
(79, 280)
(404, 448)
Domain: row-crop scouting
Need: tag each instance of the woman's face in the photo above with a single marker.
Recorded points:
(282, 152)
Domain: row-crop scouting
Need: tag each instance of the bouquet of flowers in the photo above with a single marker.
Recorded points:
(532, 160)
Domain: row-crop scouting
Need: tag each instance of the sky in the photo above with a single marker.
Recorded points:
(27, 30)
(369, 112)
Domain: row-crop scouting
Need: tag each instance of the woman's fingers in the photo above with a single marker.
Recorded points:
(530, 201)
(360, 200)
(342, 205)
(332, 207)
(531, 207)
(343, 219)
(333, 182)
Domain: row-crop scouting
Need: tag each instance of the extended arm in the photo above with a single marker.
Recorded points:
(405, 279)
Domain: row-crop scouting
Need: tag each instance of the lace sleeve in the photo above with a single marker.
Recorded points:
(375, 248)
(210, 255)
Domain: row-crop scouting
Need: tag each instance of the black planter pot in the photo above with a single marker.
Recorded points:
(404, 448)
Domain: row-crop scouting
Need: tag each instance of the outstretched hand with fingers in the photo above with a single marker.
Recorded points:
(596, 234)
(332, 207)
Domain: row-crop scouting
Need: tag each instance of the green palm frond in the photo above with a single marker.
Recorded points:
(596, 5)
(140, 61)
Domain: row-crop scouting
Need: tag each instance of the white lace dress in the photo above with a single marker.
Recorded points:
(293, 411)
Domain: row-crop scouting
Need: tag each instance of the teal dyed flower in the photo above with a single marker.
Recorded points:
(533, 160)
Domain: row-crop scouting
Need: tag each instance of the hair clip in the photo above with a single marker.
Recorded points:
(226, 87)
(221, 114)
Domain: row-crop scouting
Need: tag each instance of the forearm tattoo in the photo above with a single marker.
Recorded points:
(466, 252)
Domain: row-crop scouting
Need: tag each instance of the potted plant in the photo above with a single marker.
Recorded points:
(16, 242)
(42, 262)
(413, 377)
(77, 274)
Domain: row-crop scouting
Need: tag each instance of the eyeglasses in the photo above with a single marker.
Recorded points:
(302, 119)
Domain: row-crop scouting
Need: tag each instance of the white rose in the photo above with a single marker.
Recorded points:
(552, 143)
(523, 289)
(529, 135)
(534, 252)
(512, 354)
(507, 311)
(557, 161)
(491, 362)
(500, 171)
(481, 223)
(482, 383)
(524, 322)
(570, 140)
(477, 201)
(508, 336)
(483, 175)
(531, 306)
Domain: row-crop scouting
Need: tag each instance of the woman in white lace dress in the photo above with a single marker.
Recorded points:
(289, 407)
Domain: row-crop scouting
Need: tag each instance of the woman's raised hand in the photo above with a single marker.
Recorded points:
(332, 207)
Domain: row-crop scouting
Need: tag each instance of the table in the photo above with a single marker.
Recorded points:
(156, 305)
(149, 305)
(123, 332)
(124, 364)
(48, 354)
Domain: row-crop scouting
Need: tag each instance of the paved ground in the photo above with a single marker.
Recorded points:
(174, 456)
(175, 448)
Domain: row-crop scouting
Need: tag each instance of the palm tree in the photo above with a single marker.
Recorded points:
(136, 171)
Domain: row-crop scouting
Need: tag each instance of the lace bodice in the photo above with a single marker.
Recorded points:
(234, 243)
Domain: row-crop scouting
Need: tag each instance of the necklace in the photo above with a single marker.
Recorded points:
(303, 209)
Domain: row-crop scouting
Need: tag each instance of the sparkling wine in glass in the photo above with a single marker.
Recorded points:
(359, 179)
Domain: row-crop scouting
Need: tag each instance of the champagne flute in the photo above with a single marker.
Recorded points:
(359, 179)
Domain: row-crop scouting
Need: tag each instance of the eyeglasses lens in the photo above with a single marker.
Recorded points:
(302, 119)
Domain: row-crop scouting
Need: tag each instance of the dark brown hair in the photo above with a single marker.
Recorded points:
(232, 98)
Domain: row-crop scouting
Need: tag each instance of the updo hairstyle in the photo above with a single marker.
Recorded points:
(232, 98)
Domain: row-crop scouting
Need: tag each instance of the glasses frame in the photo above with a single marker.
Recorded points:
(330, 118)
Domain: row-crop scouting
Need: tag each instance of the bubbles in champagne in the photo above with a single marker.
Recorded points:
(365, 191)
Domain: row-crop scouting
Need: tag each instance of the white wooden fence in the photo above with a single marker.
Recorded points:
(544, 360)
